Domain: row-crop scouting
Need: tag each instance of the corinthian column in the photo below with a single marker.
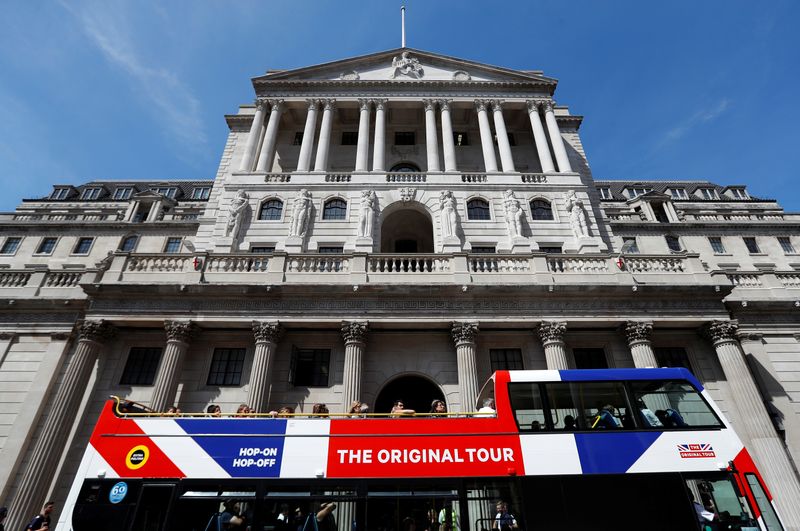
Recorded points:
(267, 155)
(555, 138)
(324, 142)
(489, 159)
(379, 146)
(304, 159)
(540, 138)
(41, 468)
(464, 335)
(447, 137)
(638, 334)
(362, 147)
(502, 137)
(431, 140)
(253, 136)
(767, 449)
(267, 335)
(551, 334)
(165, 387)
(354, 334)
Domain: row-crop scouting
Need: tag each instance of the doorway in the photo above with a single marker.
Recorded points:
(416, 392)
(407, 231)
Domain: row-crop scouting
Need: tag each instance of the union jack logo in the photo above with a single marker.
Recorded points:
(689, 451)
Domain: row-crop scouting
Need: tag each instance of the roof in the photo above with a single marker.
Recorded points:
(617, 188)
(107, 188)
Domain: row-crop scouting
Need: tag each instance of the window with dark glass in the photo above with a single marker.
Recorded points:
(752, 246)
(201, 192)
(298, 138)
(786, 244)
(708, 193)
(60, 193)
(310, 367)
(330, 249)
(141, 366)
(672, 357)
(605, 193)
(550, 249)
(46, 246)
(670, 405)
(505, 359)
(349, 138)
(90, 193)
(588, 406)
(123, 192)
(128, 244)
(11, 245)
(541, 210)
(739, 193)
(168, 191)
(483, 249)
(271, 210)
(590, 358)
(405, 138)
(629, 245)
(226, 366)
(673, 243)
(173, 245)
(526, 401)
(263, 249)
(678, 193)
(660, 212)
(334, 209)
(478, 209)
(511, 140)
(83, 246)
(460, 138)
(716, 244)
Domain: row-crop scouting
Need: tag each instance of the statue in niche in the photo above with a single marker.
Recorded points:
(301, 214)
(447, 213)
(577, 215)
(236, 213)
(367, 217)
(513, 214)
(406, 66)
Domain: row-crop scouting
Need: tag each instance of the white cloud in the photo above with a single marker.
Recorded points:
(700, 117)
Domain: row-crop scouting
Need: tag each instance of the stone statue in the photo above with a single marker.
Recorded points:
(301, 214)
(367, 218)
(513, 215)
(406, 66)
(577, 216)
(236, 214)
(447, 213)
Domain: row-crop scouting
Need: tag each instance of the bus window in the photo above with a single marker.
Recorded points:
(527, 405)
(671, 405)
(486, 499)
(201, 506)
(763, 503)
(588, 405)
(485, 398)
(719, 505)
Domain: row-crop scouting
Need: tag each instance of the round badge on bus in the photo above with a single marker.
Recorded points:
(118, 492)
(137, 457)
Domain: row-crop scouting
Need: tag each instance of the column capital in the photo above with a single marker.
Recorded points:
(98, 331)
(260, 103)
(364, 104)
(312, 104)
(330, 104)
(533, 105)
(552, 331)
(267, 331)
(721, 331)
(548, 105)
(444, 105)
(638, 331)
(277, 105)
(182, 331)
(430, 105)
(355, 331)
(380, 104)
(464, 332)
(497, 105)
(480, 105)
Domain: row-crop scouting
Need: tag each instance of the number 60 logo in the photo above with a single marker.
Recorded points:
(118, 492)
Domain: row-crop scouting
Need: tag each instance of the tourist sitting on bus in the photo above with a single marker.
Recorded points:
(358, 409)
(536, 426)
(286, 411)
(488, 408)
(438, 408)
(214, 410)
(173, 410)
(320, 410)
(671, 418)
(325, 519)
(229, 519)
(243, 410)
(569, 423)
(398, 409)
(504, 521)
(282, 520)
(605, 418)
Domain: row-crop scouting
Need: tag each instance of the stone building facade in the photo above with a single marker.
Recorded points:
(399, 224)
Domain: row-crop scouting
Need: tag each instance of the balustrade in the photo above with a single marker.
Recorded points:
(62, 279)
(530, 178)
(409, 264)
(745, 280)
(655, 264)
(474, 178)
(236, 263)
(499, 264)
(789, 280)
(565, 264)
(318, 264)
(158, 263)
(406, 177)
(14, 279)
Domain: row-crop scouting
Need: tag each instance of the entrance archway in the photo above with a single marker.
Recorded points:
(407, 231)
(416, 392)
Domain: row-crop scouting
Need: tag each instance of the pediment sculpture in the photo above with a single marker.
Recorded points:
(406, 66)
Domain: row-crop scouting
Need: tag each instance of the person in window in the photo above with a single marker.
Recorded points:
(569, 423)
(504, 521)
(536, 426)
(605, 418)
(230, 519)
(282, 521)
(398, 409)
(3, 514)
(671, 418)
(438, 408)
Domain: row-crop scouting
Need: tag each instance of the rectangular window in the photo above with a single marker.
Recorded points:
(587, 405)
(550, 249)
(90, 193)
(483, 249)
(166, 191)
(83, 246)
(671, 405)
(349, 138)
(637, 191)
(140, 369)
(60, 193)
(716, 244)
(263, 249)
(672, 357)
(123, 193)
(310, 367)
(605, 193)
(226, 366)
(460, 138)
(405, 138)
(331, 249)
(786, 244)
(526, 402)
(590, 358)
(673, 243)
(173, 245)
(298, 139)
(739, 193)
(11, 245)
(678, 193)
(201, 192)
(752, 246)
(46, 246)
(629, 245)
(505, 359)
(708, 193)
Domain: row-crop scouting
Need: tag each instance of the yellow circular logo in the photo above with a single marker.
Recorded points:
(137, 457)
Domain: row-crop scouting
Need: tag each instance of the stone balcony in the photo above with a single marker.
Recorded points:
(434, 178)
(45, 283)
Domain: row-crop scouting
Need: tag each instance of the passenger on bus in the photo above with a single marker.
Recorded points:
(398, 409)
(229, 519)
(325, 519)
(605, 418)
(448, 519)
(439, 408)
(536, 426)
(504, 521)
(173, 410)
(320, 410)
(282, 520)
(569, 423)
(243, 410)
(488, 408)
(214, 410)
(671, 418)
(286, 411)
(408, 524)
(358, 409)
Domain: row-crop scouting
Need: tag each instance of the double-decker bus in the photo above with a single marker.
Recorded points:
(574, 449)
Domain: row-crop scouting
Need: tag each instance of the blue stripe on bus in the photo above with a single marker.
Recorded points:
(675, 373)
(612, 452)
(232, 426)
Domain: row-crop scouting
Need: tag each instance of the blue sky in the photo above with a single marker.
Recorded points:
(137, 90)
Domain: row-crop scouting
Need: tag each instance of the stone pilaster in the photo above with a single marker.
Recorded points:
(765, 445)
(354, 334)
(267, 335)
(464, 336)
(43, 459)
(638, 335)
(165, 387)
(551, 333)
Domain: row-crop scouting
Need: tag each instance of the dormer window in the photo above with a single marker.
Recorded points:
(605, 193)
(90, 194)
(678, 193)
(60, 193)
(201, 192)
(739, 193)
(168, 191)
(123, 192)
(637, 191)
(708, 193)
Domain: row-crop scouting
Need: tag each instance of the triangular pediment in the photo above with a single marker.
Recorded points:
(406, 64)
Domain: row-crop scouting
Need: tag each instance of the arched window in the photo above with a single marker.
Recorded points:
(478, 209)
(541, 210)
(271, 210)
(335, 209)
(405, 167)
(128, 243)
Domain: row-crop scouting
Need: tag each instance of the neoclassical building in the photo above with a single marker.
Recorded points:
(395, 225)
